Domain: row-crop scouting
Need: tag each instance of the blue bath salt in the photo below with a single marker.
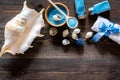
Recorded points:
(53, 11)
(72, 22)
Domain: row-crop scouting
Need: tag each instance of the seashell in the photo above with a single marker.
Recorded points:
(65, 33)
(22, 30)
(53, 31)
(65, 42)
(57, 17)
(74, 36)
(88, 35)
(76, 31)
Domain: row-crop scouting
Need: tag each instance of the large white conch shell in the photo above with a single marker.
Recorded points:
(22, 30)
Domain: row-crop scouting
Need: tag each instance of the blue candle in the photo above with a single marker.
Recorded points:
(100, 7)
(80, 8)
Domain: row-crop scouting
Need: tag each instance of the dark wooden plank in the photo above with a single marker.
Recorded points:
(59, 65)
(73, 69)
(36, 75)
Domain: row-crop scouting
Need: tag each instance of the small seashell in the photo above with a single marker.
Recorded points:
(74, 36)
(53, 31)
(57, 17)
(65, 42)
(65, 33)
(88, 35)
(76, 31)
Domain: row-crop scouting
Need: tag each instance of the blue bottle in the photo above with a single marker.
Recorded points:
(100, 7)
(80, 8)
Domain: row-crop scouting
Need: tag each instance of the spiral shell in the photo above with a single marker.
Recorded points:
(22, 30)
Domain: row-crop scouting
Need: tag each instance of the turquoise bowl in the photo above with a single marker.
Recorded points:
(51, 11)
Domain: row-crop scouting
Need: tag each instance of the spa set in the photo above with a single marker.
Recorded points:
(22, 29)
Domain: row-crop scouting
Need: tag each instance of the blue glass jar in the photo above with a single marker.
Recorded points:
(80, 8)
(100, 7)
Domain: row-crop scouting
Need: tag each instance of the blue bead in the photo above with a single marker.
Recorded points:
(80, 42)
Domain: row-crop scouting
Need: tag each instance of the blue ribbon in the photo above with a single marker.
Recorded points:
(105, 30)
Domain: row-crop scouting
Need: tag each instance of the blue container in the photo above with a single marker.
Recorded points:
(53, 11)
(50, 13)
(72, 23)
(100, 7)
(80, 8)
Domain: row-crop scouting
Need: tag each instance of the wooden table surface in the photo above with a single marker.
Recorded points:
(49, 60)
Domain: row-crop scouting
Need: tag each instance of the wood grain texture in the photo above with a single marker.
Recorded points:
(49, 60)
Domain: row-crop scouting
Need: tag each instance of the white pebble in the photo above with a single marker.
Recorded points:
(74, 36)
(53, 31)
(65, 42)
(65, 33)
(88, 35)
(76, 31)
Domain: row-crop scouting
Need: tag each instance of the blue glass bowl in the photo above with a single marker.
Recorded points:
(51, 11)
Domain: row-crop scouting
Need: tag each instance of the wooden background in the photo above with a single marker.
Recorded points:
(49, 60)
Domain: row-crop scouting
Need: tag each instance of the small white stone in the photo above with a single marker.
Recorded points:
(74, 36)
(65, 33)
(53, 31)
(76, 31)
(57, 17)
(65, 42)
(88, 35)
